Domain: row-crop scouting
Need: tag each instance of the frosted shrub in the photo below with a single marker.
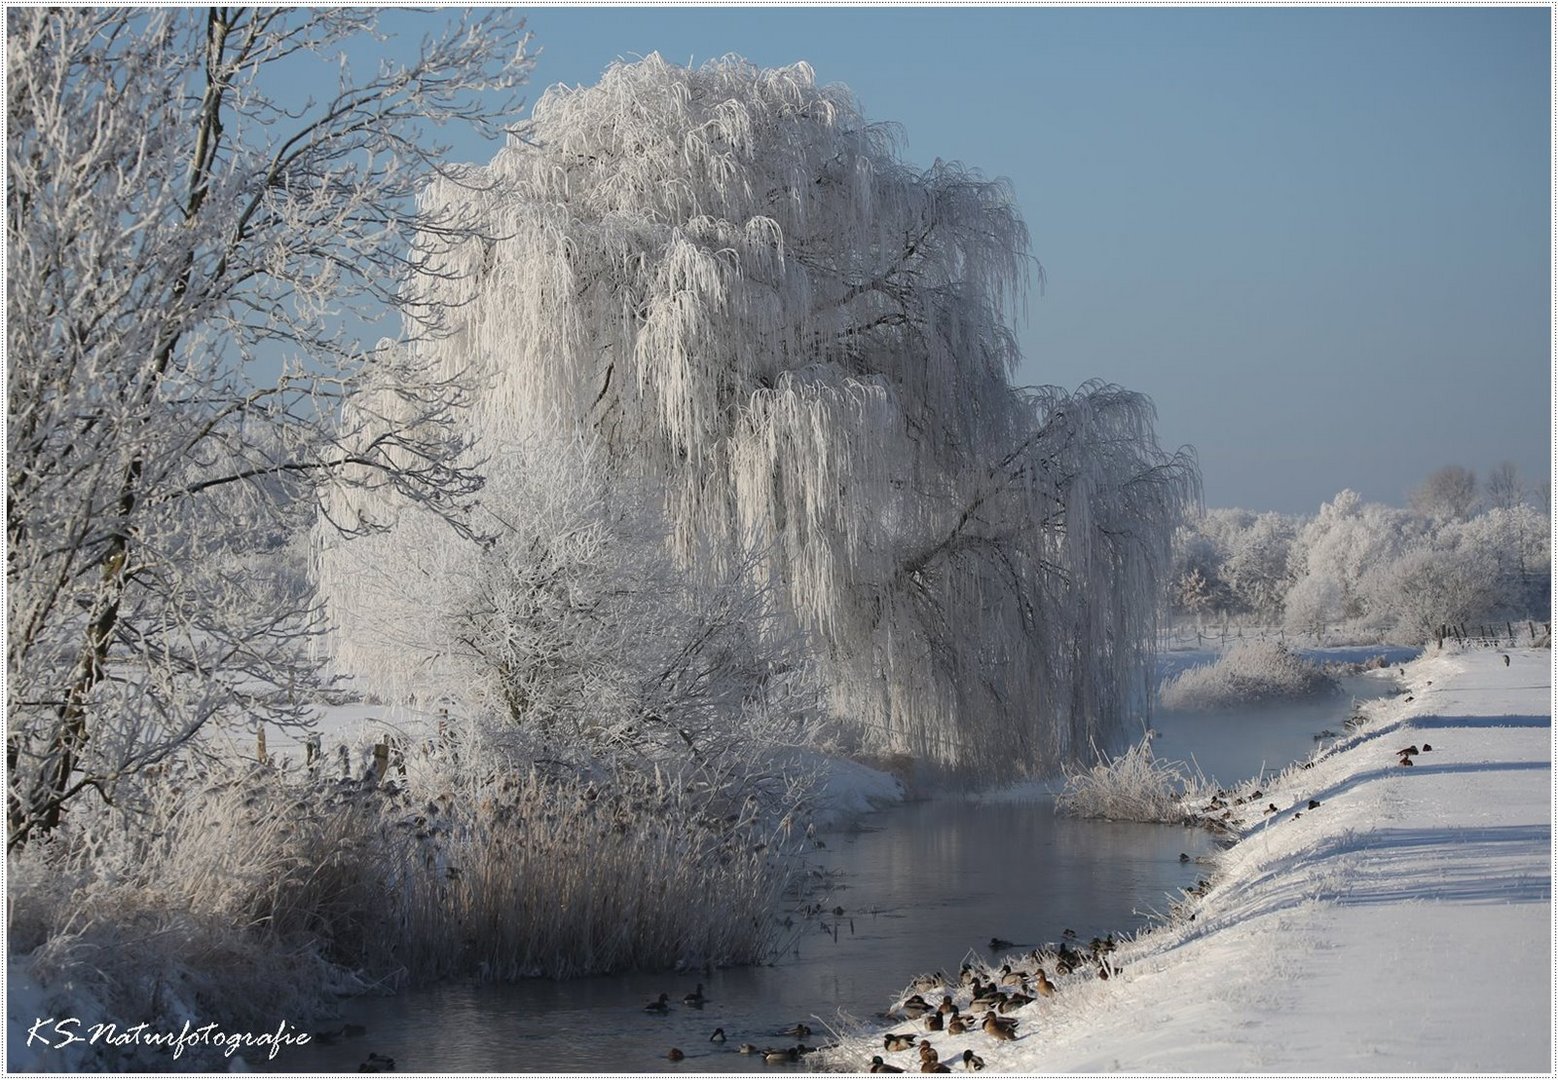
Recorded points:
(246, 896)
(1249, 673)
(1132, 787)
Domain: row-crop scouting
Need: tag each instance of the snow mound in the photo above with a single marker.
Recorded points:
(844, 789)
(1250, 672)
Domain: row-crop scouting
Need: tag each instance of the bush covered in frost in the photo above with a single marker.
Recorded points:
(1249, 673)
(1136, 786)
(243, 895)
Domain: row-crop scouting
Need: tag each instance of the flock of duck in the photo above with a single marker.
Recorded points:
(781, 1055)
(981, 998)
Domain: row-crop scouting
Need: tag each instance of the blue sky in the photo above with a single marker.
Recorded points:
(1318, 238)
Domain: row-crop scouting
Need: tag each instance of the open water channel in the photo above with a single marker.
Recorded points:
(920, 886)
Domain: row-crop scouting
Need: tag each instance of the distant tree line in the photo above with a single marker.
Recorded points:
(1460, 553)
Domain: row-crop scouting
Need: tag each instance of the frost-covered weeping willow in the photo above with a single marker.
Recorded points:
(728, 279)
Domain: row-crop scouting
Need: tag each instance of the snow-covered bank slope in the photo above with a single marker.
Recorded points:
(1402, 925)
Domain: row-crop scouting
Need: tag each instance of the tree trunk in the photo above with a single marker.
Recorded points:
(52, 787)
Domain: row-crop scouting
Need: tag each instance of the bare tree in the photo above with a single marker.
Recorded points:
(190, 245)
(1502, 490)
(1447, 493)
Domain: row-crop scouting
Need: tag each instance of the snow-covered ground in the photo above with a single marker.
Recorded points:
(1402, 925)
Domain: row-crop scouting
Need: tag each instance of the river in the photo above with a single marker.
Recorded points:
(919, 886)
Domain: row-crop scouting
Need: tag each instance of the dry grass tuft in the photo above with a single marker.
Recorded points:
(1135, 786)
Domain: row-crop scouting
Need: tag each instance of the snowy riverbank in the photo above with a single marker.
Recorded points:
(1403, 924)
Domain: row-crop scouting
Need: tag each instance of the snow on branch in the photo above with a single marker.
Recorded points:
(727, 280)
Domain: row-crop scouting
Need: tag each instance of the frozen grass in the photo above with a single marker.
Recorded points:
(565, 876)
(1250, 672)
(1132, 787)
(262, 893)
(223, 909)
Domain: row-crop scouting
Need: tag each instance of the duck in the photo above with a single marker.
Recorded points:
(987, 1000)
(695, 999)
(999, 1029)
(718, 1036)
(933, 1022)
(898, 1041)
(927, 984)
(946, 1005)
(972, 1061)
(930, 1061)
(915, 1006)
(746, 1048)
(1012, 978)
(1042, 984)
(800, 1031)
(782, 1055)
(1012, 1003)
(956, 1025)
(674, 1054)
(661, 1004)
(997, 944)
(880, 1066)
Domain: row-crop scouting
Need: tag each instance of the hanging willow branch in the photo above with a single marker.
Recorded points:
(727, 278)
